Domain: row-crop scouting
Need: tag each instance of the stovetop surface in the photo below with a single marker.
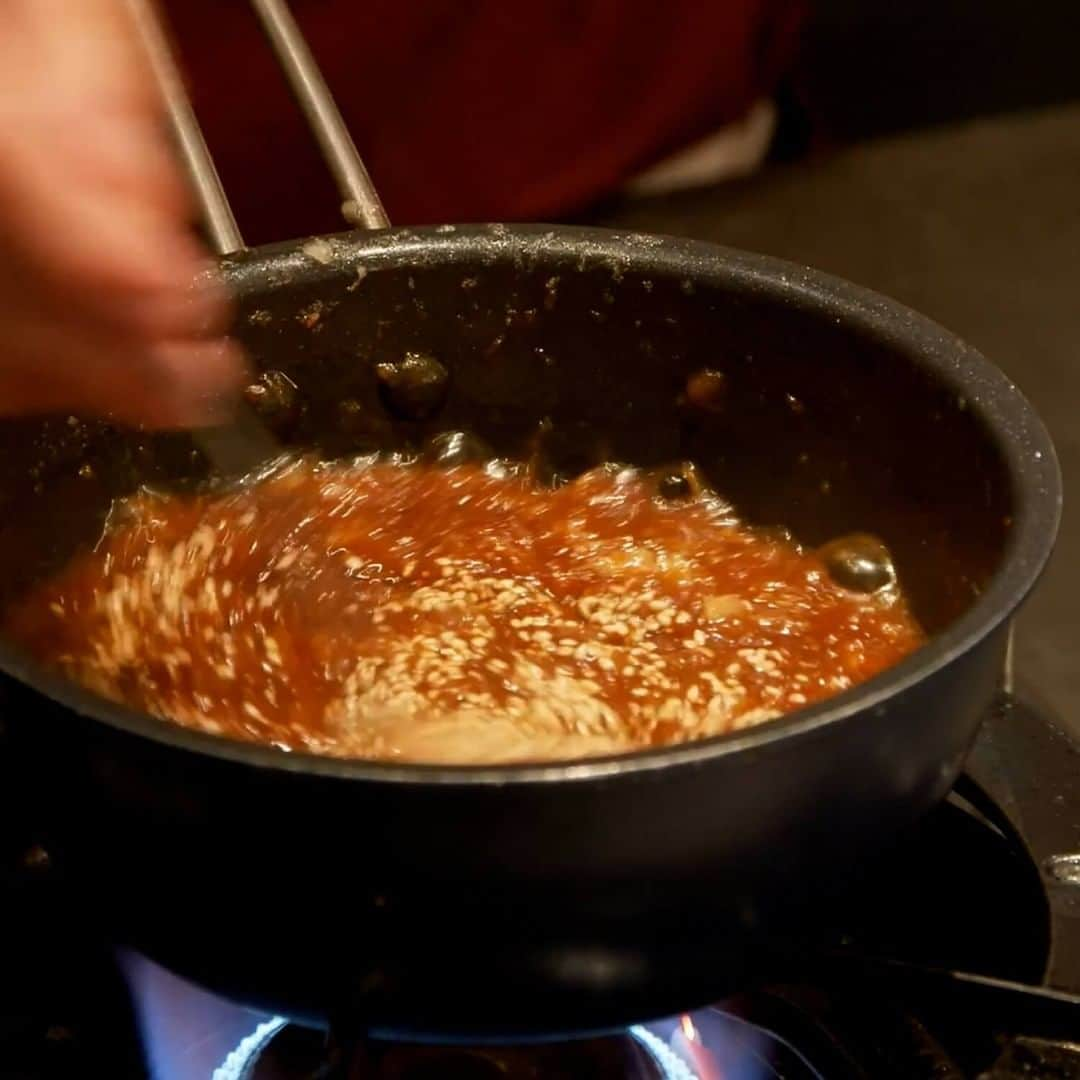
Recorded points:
(928, 970)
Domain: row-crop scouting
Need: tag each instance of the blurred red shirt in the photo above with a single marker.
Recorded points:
(469, 110)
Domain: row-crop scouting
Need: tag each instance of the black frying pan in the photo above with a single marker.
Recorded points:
(564, 896)
(568, 895)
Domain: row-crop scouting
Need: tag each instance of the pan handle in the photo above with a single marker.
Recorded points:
(360, 206)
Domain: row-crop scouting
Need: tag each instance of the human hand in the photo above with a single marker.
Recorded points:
(99, 309)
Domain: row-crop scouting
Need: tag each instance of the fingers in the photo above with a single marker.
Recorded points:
(173, 385)
(104, 300)
(186, 384)
(97, 221)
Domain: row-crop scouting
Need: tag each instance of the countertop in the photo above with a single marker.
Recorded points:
(977, 226)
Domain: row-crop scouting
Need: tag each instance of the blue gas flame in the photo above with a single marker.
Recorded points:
(186, 1032)
(190, 1034)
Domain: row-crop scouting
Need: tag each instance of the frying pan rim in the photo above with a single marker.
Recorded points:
(1010, 419)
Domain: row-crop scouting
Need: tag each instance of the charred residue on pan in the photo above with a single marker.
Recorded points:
(277, 402)
(413, 387)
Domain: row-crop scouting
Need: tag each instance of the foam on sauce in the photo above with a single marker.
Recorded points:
(405, 612)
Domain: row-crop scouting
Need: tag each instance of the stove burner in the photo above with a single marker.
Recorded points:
(273, 1048)
(710, 1044)
(241, 1061)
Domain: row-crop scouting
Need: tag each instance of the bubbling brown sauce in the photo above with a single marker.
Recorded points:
(462, 615)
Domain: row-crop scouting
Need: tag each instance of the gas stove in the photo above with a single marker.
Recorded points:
(957, 955)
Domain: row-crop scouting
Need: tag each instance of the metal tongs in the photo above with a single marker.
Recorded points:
(244, 445)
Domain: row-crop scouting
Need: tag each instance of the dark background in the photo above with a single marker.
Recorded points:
(870, 67)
